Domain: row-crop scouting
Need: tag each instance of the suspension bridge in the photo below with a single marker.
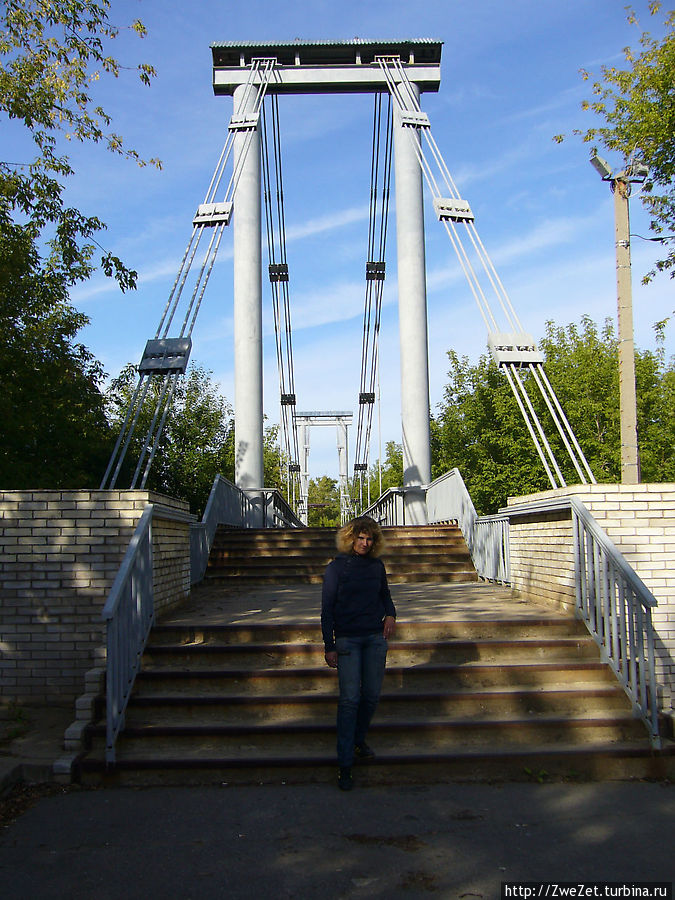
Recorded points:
(249, 176)
(481, 682)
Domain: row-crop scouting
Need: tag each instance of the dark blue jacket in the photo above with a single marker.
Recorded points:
(355, 598)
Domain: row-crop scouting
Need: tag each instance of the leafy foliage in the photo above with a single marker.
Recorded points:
(324, 502)
(637, 104)
(195, 443)
(392, 470)
(274, 461)
(55, 433)
(479, 428)
(52, 53)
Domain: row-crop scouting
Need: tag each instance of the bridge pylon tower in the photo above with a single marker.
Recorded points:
(331, 67)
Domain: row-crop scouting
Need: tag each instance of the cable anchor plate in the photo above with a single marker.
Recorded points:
(165, 356)
(376, 270)
(516, 348)
(211, 214)
(452, 209)
(247, 121)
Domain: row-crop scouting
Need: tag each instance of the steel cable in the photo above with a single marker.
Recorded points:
(411, 117)
(258, 78)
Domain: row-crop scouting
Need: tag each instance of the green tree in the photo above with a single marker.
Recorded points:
(479, 428)
(392, 470)
(52, 55)
(479, 431)
(637, 104)
(274, 460)
(274, 472)
(324, 502)
(54, 429)
(195, 445)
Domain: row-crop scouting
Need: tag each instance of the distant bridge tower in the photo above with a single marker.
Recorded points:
(327, 68)
(342, 421)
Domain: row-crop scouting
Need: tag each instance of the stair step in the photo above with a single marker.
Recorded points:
(431, 554)
(290, 565)
(536, 762)
(313, 558)
(437, 577)
(263, 632)
(322, 679)
(408, 653)
(403, 736)
(479, 694)
(185, 708)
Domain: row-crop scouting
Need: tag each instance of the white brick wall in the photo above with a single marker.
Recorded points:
(639, 519)
(60, 551)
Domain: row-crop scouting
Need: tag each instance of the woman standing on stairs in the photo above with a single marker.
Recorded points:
(357, 618)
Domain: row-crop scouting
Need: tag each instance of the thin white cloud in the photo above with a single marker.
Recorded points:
(327, 223)
(572, 95)
(549, 233)
(487, 170)
(165, 270)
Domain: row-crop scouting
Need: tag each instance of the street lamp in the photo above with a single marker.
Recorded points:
(620, 184)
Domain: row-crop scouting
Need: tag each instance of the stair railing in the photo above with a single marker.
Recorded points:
(611, 599)
(615, 605)
(129, 614)
(278, 513)
(388, 509)
(229, 505)
(448, 500)
(487, 537)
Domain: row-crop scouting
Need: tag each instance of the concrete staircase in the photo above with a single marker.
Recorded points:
(430, 553)
(521, 694)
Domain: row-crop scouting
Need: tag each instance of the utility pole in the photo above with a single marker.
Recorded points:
(630, 459)
(620, 184)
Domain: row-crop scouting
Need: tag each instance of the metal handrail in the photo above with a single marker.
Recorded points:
(487, 537)
(278, 513)
(229, 505)
(388, 509)
(129, 614)
(491, 549)
(448, 500)
(611, 599)
(614, 604)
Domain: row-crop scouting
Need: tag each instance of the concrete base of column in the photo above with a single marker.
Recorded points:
(415, 506)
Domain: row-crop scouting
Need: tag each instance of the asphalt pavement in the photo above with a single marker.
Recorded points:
(313, 841)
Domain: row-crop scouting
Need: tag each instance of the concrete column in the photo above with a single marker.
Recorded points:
(248, 381)
(412, 310)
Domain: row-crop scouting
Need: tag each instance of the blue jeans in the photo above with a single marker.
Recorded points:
(361, 662)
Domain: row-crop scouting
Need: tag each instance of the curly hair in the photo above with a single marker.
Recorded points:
(363, 525)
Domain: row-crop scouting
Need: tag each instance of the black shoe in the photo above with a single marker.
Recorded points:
(363, 751)
(345, 782)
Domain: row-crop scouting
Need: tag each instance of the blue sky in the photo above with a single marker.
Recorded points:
(510, 81)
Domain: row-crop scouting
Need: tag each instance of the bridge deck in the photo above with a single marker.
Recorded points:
(222, 604)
